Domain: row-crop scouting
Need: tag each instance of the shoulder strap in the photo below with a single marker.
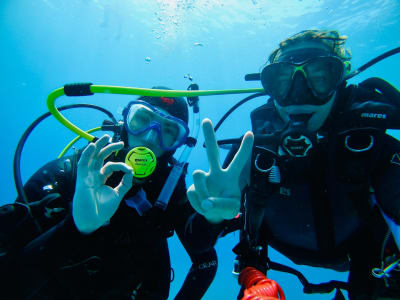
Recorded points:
(372, 103)
(390, 94)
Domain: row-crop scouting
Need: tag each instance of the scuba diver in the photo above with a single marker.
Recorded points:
(318, 179)
(102, 234)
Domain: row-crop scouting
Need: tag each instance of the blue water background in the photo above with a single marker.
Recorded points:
(47, 43)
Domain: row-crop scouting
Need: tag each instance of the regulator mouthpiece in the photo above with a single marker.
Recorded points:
(142, 160)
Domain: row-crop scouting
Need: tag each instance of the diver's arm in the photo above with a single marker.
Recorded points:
(196, 233)
(200, 276)
(49, 192)
(204, 261)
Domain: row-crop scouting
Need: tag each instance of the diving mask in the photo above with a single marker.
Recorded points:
(141, 117)
(323, 74)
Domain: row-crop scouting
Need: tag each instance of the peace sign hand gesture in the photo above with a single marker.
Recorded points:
(216, 194)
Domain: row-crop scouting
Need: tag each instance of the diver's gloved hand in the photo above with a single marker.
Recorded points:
(94, 202)
(216, 194)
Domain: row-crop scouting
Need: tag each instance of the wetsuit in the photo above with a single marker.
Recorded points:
(321, 213)
(125, 259)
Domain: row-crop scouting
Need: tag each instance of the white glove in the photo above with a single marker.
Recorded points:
(216, 194)
(94, 202)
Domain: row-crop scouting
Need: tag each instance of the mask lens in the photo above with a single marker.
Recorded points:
(139, 117)
(276, 79)
(170, 132)
(323, 75)
(142, 117)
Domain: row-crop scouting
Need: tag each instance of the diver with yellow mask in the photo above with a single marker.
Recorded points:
(104, 225)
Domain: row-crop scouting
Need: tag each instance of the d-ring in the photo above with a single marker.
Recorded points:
(263, 170)
(371, 143)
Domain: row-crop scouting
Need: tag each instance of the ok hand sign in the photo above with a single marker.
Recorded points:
(95, 202)
(216, 194)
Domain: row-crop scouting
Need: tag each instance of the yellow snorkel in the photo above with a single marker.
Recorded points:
(87, 89)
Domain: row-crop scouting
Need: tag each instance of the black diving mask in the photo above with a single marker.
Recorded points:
(323, 74)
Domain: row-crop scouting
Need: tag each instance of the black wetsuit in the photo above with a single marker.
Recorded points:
(321, 213)
(126, 259)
